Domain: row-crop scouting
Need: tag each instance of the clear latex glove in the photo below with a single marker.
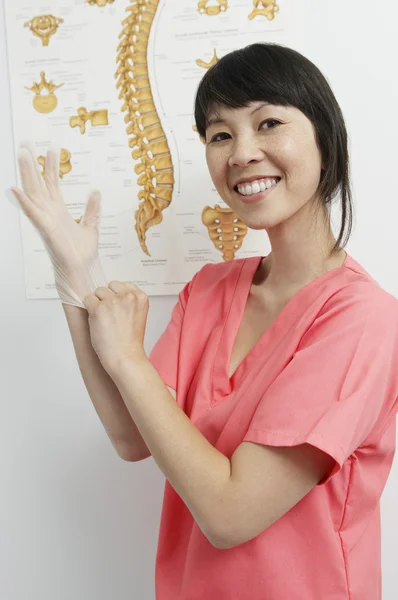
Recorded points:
(72, 247)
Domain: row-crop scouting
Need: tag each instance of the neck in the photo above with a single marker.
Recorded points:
(297, 257)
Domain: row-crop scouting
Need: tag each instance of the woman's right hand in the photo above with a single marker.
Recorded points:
(71, 245)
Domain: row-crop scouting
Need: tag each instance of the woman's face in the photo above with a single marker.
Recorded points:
(264, 161)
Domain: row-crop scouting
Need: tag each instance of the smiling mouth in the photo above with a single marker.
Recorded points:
(256, 187)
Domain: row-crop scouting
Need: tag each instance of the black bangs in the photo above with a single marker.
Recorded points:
(260, 72)
(282, 76)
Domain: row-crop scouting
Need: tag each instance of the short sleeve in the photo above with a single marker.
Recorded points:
(165, 353)
(341, 383)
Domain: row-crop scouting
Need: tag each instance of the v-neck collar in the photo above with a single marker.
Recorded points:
(221, 384)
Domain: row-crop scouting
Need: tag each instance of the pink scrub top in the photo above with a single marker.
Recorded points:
(324, 373)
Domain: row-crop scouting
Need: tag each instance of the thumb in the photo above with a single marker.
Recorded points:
(92, 212)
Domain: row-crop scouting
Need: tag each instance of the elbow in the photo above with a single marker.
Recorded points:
(228, 541)
(131, 454)
(221, 544)
(222, 536)
(221, 541)
(211, 532)
(231, 533)
(129, 457)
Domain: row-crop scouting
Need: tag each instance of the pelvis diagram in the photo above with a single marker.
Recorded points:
(147, 138)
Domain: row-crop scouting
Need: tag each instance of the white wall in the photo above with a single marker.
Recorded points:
(75, 521)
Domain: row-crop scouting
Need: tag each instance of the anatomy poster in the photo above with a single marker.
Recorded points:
(112, 84)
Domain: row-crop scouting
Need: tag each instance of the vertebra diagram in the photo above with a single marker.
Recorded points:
(44, 103)
(44, 26)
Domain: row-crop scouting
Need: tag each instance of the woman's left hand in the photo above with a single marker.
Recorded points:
(117, 321)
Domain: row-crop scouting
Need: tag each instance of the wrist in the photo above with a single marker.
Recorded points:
(128, 365)
(76, 281)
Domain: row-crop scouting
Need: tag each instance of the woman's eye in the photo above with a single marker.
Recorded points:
(271, 123)
(218, 137)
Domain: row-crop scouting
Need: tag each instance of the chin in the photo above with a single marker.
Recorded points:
(260, 222)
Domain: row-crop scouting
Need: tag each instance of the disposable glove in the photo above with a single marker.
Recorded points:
(71, 246)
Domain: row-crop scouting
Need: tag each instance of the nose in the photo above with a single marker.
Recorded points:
(244, 152)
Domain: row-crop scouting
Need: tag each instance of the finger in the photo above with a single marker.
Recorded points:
(23, 201)
(90, 303)
(130, 287)
(102, 293)
(28, 146)
(119, 287)
(12, 197)
(31, 184)
(91, 217)
(52, 178)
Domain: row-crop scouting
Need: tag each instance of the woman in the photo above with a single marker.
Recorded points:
(283, 367)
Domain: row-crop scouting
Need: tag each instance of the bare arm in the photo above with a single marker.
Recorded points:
(232, 500)
(73, 250)
(104, 394)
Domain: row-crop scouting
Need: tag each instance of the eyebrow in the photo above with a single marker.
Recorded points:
(217, 119)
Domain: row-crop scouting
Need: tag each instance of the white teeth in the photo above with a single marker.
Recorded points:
(248, 189)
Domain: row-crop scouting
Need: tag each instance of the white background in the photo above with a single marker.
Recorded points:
(76, 522)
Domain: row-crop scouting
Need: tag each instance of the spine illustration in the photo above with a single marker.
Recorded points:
(146, 135)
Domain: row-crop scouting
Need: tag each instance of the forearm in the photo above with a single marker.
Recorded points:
(103, 392)
(197, 471)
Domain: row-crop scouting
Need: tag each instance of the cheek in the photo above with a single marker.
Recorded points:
(299, 158)
(287, 152)
(215, 164)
